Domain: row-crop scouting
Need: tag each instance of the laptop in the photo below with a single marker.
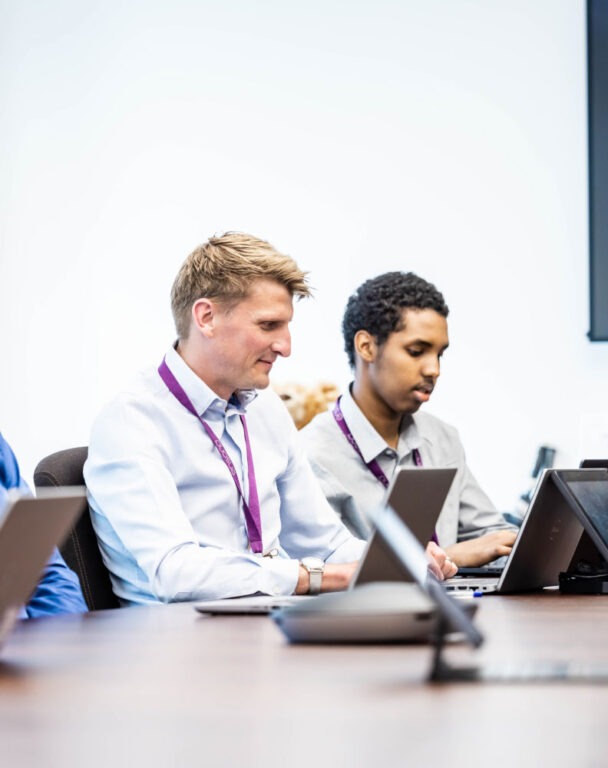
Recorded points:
(594, 464)
(30, 528)
(588, 555)
(546, 542)
(587, 495)
(417, 495)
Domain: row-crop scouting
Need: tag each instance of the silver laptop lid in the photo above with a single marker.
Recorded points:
(30, 528)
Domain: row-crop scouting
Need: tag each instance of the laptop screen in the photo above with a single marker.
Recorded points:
(417, 496)
(587, 493)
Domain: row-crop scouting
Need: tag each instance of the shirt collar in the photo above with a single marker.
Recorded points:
(410, 438)
(241, 399)
(202, 397)
(371, 444)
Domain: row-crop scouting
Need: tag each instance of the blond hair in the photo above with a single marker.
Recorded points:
(223, 269)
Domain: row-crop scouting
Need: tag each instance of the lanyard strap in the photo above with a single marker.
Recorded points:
(251, 509)
(373, 466)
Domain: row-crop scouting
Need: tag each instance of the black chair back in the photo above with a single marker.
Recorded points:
(80, 550)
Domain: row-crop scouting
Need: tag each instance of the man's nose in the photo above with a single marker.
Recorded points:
(431, 367)
(282, 344)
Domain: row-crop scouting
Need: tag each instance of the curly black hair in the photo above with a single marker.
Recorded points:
(377, 306)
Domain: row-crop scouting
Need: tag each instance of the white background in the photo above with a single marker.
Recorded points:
(446, 137)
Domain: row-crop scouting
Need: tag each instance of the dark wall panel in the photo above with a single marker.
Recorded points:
(597, 52)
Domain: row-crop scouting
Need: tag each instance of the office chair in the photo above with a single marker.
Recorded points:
(80, 550)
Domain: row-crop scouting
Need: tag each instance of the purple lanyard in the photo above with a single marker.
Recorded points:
(252, 510)
(372, 465)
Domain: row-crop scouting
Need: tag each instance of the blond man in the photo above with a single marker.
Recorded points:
(197, 483)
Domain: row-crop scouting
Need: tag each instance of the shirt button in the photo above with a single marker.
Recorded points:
(276, 590)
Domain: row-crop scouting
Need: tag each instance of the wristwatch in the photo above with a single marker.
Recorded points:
(315, 567)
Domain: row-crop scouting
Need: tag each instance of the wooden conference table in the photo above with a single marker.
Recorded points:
(164, 686)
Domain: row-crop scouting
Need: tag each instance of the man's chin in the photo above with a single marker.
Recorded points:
(411, 407)
(257, 382)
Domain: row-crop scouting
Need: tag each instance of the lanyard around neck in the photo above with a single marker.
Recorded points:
(251, 509)
(372, 465)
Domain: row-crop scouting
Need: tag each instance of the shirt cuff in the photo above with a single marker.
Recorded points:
(279, 576)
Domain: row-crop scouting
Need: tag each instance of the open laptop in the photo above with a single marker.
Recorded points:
(30, 528)
(594, 464)
(588, 498)
(588, 556)
(417, 495)
(546, 542)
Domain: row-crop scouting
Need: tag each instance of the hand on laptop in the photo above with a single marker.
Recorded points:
(440, 564)
(483, 549)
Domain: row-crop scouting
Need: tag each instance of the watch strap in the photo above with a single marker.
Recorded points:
(316, 579)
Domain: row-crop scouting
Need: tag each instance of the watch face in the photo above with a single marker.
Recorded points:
(313, 563)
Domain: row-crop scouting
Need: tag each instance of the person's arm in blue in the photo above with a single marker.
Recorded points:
(58, 590)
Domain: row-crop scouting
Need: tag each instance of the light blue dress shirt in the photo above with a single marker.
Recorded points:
(166, 510)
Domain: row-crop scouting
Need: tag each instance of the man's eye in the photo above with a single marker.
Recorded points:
(414, 352)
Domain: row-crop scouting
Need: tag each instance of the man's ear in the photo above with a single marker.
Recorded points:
(365, 346)
(203, 316)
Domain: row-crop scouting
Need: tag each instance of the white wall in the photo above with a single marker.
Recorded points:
(443, 136)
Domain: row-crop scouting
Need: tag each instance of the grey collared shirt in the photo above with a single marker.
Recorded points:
(352, 489)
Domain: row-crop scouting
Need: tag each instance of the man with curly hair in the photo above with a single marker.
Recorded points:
(395, 333)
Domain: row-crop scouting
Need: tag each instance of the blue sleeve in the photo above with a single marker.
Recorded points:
(10, 477)
(58, 590)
